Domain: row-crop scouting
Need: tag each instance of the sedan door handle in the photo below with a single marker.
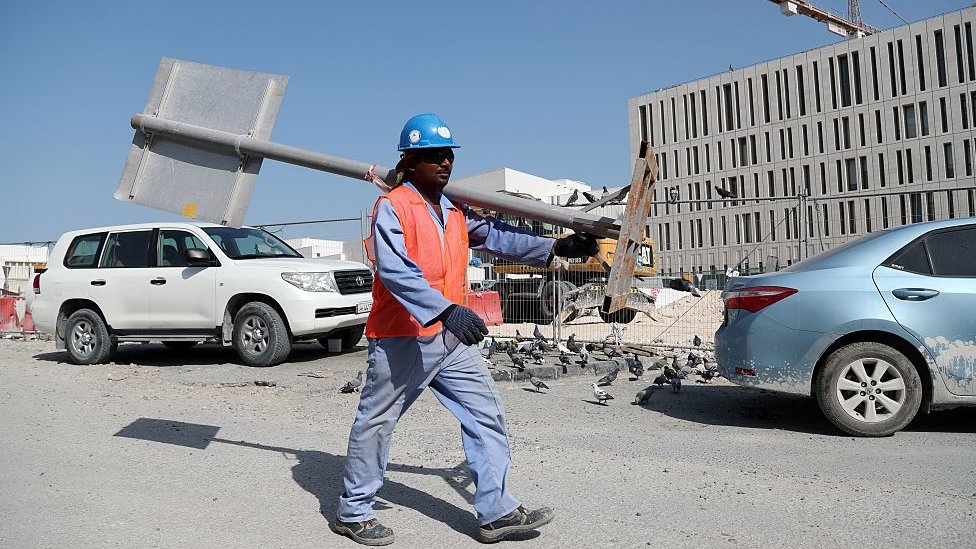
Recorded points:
(98, 282)
(158, 281)
(914, 294)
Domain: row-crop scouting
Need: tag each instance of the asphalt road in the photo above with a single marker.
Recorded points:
(183, 450)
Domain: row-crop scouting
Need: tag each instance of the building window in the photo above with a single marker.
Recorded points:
(806, 179)
(846, 124)
(851, 166)
(779, 96)
(951, 203)
(930, 206)
(845, 81)
(860, 129)
(806, 142)
(836, 135)
(667, 236)
(786, 92)
(928, 163)
(894, 113)
(738, 116)
(877, 126)
(769, 149)
(772, 226)
(904, 209)
(864, 172)
(708, 159)
(752, 147)
(704, 112)
(765, 97)
(867, 215)
(694, 115)
(923, 115)
(945, 114)
(969, 51)
(833, 84)
(826, 221)
(674, 124)
(664, 134)
(882, 169)
(851, 220)
(820, 136)
(920, 59)
(782, 144)
(901, 66)
(681, 237)
(964, 108)
(789, 141)
(959, 70)
(823, 178)
(771, 181)
(840, 176)
(752, 108)
(743, 152)
(856, 60)
(747, 228)
(908, 166)
(725, 232)
(940, 60)
(874, 74)
(950, 168)
(727, 101)
(909, 112)
(801, 90)
(642, 110)
(695, 159)
(968, 155)
(916, 205)
(891, 69)
(901, 168)
(816, 85)
(884, 212)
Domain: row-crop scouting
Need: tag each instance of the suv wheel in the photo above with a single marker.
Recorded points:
(869, 389)
(87, 339)
(260, 336)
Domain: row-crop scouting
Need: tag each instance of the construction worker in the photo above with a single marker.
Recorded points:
(421, 335)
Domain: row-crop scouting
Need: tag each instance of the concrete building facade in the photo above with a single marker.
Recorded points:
(876, 132)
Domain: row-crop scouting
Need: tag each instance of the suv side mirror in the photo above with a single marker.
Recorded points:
(197, 257)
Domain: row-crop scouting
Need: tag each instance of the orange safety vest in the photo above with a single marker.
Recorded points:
(445, 267)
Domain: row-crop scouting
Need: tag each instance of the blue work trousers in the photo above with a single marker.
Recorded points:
(398, 370)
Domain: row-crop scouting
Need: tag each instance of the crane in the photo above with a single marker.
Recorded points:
(852, 26)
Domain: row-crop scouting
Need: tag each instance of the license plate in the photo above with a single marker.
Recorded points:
(364, 307)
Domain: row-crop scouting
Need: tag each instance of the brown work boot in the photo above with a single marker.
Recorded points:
(518, 521)
(369, 532)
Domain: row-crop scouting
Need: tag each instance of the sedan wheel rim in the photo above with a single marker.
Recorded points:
(254, 336)
(871, 390)
(83, 338)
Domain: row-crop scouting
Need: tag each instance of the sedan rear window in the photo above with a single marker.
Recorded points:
(953, 252)
(913, 259)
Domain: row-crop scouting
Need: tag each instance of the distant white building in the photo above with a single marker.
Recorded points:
(17, 265)
(329, 249)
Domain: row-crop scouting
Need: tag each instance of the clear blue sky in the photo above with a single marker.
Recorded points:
(540, 87)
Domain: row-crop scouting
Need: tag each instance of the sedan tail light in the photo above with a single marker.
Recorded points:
(755, 298)
(36, 284)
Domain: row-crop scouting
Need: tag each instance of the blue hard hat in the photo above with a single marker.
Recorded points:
(425, 131)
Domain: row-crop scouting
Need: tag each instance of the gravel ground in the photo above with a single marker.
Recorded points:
(184, 450)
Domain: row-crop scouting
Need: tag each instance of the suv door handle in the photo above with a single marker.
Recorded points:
(158, 281)
(98, 282)
(914, 294)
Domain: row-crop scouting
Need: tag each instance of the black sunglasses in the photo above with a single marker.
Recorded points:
(436, 156)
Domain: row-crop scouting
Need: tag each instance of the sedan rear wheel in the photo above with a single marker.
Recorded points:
(869, 389)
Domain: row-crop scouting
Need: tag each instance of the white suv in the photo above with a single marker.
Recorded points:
(186, 283)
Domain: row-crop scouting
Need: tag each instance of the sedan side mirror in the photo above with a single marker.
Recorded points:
(198, 258)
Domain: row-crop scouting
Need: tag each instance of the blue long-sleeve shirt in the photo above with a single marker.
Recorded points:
(404, 279)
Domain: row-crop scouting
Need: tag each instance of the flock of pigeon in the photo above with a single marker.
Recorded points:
(538, 349)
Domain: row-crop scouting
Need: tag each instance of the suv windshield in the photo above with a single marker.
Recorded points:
(248, 243)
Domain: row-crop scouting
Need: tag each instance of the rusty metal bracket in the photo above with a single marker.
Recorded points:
(632, 224)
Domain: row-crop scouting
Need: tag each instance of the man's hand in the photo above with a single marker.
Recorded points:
(464, 323)
(579, 245)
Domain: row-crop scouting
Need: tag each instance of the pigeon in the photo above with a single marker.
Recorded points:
(564, 358)
(697, 341)
(605, 191)
(600, 395)
(352, 385)
(538, 357)
(518, 362)
(589, 197)
(538, 334)
(541, 345)
(670, 373)
(709, 371)
(573, 345)
(572, 198)
(694, 359)
(584, 358)
(525, 346)
(635, 365)
(511, 352)
(608, 379)
(661, 380)
(537, 383)
(660, 364)
(520, 338)
(643, 395)
(611, 351)
(724, 193)
(563, 349)
(676, 384)
(590, 347)
(674, 363)
(500, 345)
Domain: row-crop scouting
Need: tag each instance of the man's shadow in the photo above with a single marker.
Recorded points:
(320, 473)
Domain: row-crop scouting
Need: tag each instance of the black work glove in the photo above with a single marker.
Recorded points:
(578, 245)
(464, 323)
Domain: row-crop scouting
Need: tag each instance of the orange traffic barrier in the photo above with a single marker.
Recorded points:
(487, 305)
(9, 322)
